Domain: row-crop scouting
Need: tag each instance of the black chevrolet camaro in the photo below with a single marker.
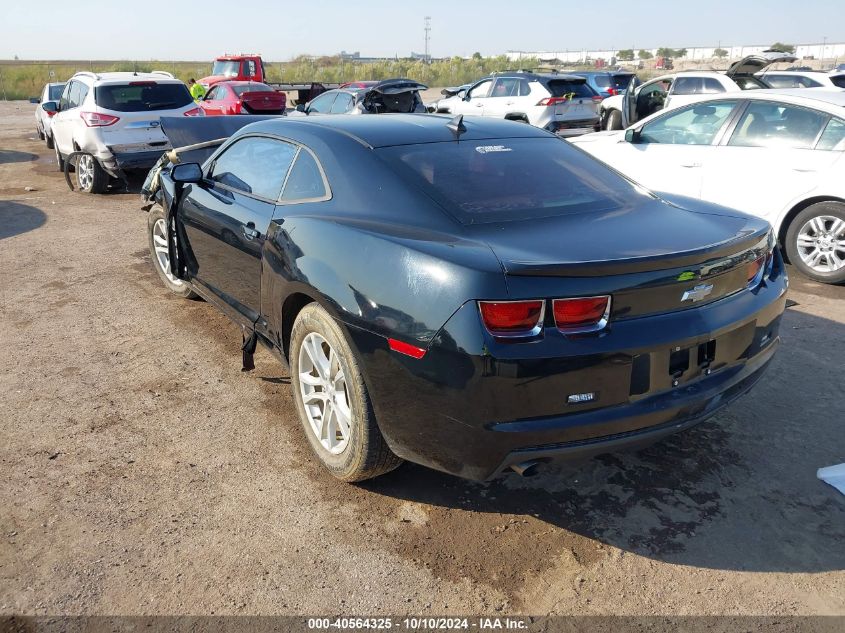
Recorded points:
(475, 295)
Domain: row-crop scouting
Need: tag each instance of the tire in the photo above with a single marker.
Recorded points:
(49, 140)
(614, 120)
(361, 453)
(90, 177)
(818, 232)
(39, 133)
(157, 239)
(59, 159)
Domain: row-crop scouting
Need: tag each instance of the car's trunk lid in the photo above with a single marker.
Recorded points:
(573, 98)
(264, 101)
(648, 255)
(758, 61)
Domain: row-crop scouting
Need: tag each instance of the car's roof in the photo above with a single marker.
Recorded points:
(241, 83)
(829, 100)
(124, 77)
(584, 73)
(399, 129)
(769, 71)
(532, 75)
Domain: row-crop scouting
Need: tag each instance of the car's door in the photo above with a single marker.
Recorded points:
(668, 152)
(504, 95)
(67, 116)
(776, 152)
(214, 102)
(226, 218)
(475, 100)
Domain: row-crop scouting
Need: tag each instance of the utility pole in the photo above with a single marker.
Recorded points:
(824, 46)
(427, 38)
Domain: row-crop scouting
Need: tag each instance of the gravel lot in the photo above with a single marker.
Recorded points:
(143, 473)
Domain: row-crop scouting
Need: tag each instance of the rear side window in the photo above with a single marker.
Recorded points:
(141, 96)
(254, 165)
(838, 81)
(509, 179)
(697, 86)
(510, 87)
(561, 87)
(833, 137)
(620, 82)
(305, 181)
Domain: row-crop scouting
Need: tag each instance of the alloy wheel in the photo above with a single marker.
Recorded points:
(162, 253)
(85, 171)
(322, 385)
(821, 243)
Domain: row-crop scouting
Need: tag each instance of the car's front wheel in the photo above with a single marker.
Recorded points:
(159, 253)
(815, 242)
(332, 400)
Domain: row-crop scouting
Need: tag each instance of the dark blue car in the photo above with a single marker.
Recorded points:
(475, 296)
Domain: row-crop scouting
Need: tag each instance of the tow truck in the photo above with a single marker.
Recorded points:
(250, 67)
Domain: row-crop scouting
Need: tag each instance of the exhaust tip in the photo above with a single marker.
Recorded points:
(526, 469)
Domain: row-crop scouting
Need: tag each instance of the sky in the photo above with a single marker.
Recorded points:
(200, 30)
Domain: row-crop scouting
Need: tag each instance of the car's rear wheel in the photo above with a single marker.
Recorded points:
(49, 140)
(815, 242)
(614, 120)
(332, 400)
(90, 177)
(159, 253)
(39, 133)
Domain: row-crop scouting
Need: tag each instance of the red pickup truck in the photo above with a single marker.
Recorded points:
(250, 67)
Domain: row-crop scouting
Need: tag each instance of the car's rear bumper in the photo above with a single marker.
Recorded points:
(472, 409)
(122, 160)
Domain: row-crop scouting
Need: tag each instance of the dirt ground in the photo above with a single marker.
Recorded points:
(143, 473)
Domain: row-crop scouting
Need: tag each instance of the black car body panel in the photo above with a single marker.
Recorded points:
(388, 261)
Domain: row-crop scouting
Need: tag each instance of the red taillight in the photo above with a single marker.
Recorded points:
(582, 313)
(612, 92)
(193, 112)
(49, 114)
(512, 318)
(95, 119)
(552, 101)
(406, 348)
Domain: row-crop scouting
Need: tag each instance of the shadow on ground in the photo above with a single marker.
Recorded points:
(11, 156)
(737, 492)
(17, 218)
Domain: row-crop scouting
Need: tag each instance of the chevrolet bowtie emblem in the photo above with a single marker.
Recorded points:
(697, 293)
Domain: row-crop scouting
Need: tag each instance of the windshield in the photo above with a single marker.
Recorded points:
(498, 180)
(239, 90)
(562, 87)
(56, 92)
(141, 96)
(226, 68)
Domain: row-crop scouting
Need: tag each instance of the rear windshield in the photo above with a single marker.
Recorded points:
(561, 87)
(239, 90)
(499, 180)
(56, 92)
(838, 81)
(142, 96)
(620, 82)
(748, 82)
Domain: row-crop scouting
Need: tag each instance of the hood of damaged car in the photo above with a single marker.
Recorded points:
(758, 61)
(186, 131)
(397, 86)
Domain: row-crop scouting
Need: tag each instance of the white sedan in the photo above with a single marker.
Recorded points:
(775, 154)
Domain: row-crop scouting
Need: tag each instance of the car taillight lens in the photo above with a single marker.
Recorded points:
(552, 101)
(512, 318)
(193, 112)
(612, 92)
(582, 313)
(755, 270)
(95, 119)
(50, 114)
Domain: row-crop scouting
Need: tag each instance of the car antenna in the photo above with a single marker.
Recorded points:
(457, 126)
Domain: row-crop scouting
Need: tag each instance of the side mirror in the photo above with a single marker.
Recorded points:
(50, 106)
(186, 173)
(632, 136)
(300, 107)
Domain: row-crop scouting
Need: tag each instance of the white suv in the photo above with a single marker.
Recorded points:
(110, 122)
(563, 104)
